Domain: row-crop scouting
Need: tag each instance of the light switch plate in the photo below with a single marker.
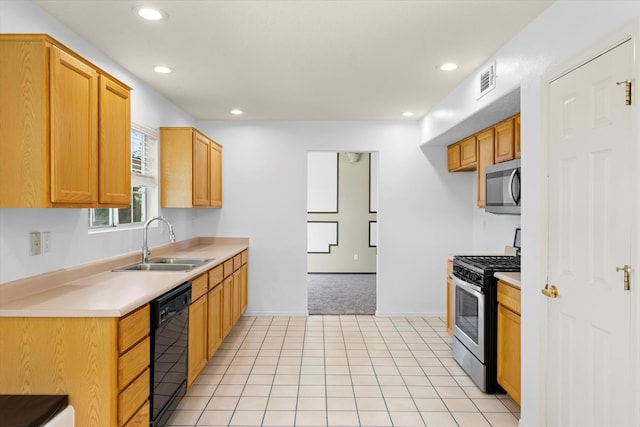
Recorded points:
(35, 243)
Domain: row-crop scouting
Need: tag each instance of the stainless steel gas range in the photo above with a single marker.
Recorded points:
(475, 316)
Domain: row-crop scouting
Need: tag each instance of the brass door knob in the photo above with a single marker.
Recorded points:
(552, 292)
(627, 282)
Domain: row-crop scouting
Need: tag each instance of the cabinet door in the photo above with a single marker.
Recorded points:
(200, 170)
(115, 144)
(516, 137)
(449, 306)
(244, 288)
(485, 142)
(509, 352)
(215, 185)
(449, 298)
(453, 156)
(227, 305)
(468, 152)
(237, 302)
(197, 338)
(74, 130)
(214, 320)
(504, 141)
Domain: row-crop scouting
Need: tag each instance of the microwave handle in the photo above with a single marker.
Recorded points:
(512, 178)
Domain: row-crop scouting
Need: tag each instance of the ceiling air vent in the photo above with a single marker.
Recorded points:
(487, 80)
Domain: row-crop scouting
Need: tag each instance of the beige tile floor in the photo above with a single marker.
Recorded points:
(339, 371)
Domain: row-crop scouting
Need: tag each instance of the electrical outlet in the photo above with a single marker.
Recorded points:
(46, 242)
(35, 243)
(355, 257)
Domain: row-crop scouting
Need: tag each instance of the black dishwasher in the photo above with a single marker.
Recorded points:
(169, 342)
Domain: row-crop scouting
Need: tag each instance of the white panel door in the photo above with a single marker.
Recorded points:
(591, 202)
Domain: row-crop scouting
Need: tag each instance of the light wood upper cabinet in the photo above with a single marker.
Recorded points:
(74, 130)
(485, 141)
(517, 137)
(215, 182)
(190, 172)
(200, 170)
(505, 141)
(54, 120)
(462, 155)
(115, 143)
(453, 156)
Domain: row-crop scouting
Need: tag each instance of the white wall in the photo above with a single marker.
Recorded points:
(423, 210)
(71, 244)
(561, 32)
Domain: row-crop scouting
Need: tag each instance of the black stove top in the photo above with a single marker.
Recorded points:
(487, 265)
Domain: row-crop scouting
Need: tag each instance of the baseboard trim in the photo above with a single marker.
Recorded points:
(342, 272)
(409, 314)
(275, 314)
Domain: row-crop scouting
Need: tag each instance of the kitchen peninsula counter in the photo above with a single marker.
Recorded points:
(94, 290)
(509, 277)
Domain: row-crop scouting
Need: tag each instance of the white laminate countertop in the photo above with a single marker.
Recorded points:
(511, 278)
(93, 290)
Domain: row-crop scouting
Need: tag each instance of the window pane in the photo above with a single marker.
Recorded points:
(124, 215)
(100, 217)
(139, 203)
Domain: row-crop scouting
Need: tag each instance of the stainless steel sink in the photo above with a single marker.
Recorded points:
(191, 261)
(166, 264)
(156, 267)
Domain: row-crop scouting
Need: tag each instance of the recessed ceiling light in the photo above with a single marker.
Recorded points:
(408, 114)
(150, 14)
(237, 112)
(449, 66)
(162, 69)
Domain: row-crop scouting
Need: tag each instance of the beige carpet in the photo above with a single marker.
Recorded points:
(342, 293)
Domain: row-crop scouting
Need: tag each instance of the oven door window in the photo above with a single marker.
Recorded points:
(467, 314)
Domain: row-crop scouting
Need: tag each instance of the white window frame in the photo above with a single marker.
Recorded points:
(148, 180)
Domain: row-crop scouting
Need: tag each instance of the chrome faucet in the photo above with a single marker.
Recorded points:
(145, 248)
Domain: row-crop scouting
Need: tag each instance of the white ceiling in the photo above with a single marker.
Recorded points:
(300, 59)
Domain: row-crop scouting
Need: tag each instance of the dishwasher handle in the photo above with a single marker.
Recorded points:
(170, 304)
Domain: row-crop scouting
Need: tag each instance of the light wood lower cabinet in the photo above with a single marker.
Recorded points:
(509, 366)
(102, 363)
(197, 328)
(214, 320)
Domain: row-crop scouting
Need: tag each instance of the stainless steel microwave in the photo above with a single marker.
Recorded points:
(503, 193)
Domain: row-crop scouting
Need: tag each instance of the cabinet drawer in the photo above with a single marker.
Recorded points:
(228, 268)
(141, 418)
(133, 327)
(133, 397)
(509, 296)
(133, 362)
(199, 286)
(216, 276)
(245, 256)
(237, 262)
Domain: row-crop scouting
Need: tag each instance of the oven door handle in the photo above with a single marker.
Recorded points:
(469, 287)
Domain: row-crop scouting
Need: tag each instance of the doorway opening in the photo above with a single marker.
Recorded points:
(342, 232)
